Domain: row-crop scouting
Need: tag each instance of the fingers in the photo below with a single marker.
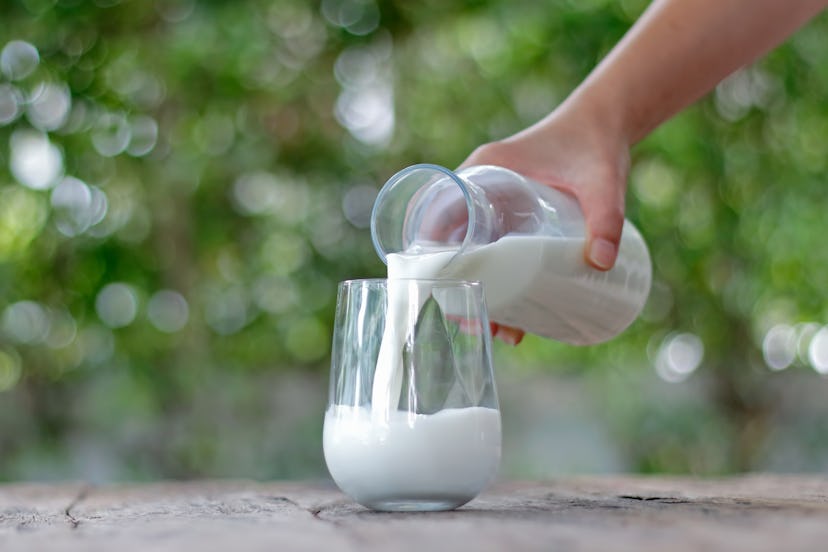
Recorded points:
(601, 253)
(604, 238)
(491, 153)
(604, 216)
(596, 175)
(507, 334)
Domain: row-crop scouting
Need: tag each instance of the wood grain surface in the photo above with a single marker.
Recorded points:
(756, 512)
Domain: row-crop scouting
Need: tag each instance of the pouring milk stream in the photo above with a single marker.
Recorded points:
(524, 241)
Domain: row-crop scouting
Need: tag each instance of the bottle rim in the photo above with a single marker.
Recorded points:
(392, 182)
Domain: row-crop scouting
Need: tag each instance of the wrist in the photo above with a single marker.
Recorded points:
(591, 110)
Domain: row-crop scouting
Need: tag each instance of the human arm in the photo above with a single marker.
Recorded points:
(674, 54)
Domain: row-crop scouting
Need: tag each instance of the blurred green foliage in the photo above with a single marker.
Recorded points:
(183, 183)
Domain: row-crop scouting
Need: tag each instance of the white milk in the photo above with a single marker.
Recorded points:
(441, 460)
(542, 284)
(401, 316)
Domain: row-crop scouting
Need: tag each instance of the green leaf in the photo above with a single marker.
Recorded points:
(428, 363)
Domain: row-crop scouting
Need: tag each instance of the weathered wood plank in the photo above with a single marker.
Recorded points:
(760, 512)
(30, 507)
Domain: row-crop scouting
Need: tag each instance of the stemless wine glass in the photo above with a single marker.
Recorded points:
(413, 422)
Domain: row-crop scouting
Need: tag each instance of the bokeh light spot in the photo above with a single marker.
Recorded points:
(275, 294)
(679, 356)
(805, 332)
(25, 322)
(117, 305)
(226, 311)
(77, 206)
(818, 351)
(215, 133)
(168, 311)
(263, 193)
(357, 204)
(10, 101)
(97, 344)
(779, 346)
(18, 60)
(49, 106)
(367, 113)
(359, 17)
(655, 183)
(35, 161)
(365, 107)
(62, 330)
(255, 193)
(111, 134)
(143, 136)
(23, 214)
(284, 253)
(742, 90)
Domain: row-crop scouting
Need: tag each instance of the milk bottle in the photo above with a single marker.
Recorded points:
(523, 240)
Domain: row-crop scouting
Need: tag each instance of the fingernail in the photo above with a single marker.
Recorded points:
(602, 253)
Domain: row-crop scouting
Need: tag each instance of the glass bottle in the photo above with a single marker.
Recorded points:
(523, 240)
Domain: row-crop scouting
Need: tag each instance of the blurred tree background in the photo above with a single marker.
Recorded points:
(183, 183)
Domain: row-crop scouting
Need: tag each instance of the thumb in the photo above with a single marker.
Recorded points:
(604, 221)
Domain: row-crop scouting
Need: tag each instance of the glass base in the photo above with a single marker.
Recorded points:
(415, 504)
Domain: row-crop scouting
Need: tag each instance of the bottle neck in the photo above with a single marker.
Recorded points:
(427, 207)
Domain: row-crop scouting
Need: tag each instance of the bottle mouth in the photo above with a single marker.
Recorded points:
(422, 205)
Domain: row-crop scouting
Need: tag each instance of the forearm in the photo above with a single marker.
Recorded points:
(677, 52)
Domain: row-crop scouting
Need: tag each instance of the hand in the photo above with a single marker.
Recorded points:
(575, 151)
(570, 152)
(676, 52)
(512, 336)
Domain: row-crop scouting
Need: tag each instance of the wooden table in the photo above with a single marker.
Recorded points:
(758, 512)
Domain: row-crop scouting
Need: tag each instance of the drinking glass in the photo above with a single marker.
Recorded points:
(412, 422)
